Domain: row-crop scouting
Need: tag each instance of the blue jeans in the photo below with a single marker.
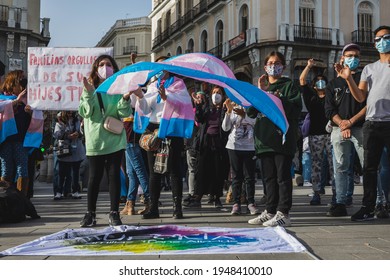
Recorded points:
(383, 178)
(306, 166)
(136, 170)
(342, 149)
(14, 161)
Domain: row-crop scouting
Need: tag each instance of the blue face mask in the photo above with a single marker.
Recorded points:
(320, 84)
(352, 62)
(383, 46)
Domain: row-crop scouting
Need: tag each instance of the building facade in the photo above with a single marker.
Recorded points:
(128, 36)
(243, 32)
(20, 27)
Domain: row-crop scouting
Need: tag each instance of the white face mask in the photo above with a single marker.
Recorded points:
(105, 71)
(216, 98)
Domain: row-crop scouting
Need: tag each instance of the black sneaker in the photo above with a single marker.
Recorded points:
(364, 214)
(114, 219)
(316, 200)
(188, 198)
(193, 203)
(89, 220)
(381, 211)
(151, 215)
(337, 210)
(217, 203)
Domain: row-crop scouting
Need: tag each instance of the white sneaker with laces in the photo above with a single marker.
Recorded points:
(279, 219)
(262, 218)
(252, 209)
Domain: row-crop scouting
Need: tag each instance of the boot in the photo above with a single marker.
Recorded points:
(177, 209)
(146, 208)
(129, 208)
(22, 185)
(153, 212)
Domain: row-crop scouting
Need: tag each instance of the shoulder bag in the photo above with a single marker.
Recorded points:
(110, 124)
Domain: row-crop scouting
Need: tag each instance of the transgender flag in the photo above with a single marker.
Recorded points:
(7, 120)
(34, 133)
(202, 67)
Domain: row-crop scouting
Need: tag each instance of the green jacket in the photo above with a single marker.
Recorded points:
(99, 141)
(268, 137)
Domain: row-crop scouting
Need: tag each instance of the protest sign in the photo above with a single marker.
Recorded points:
(55, 76)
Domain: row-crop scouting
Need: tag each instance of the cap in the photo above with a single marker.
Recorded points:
(350, 46)
(200, 92)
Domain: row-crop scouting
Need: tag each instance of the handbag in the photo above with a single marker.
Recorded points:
(62, 148)
(113, 125)
(161, 165)
(306, 126)
(110, 124)
(149, 140)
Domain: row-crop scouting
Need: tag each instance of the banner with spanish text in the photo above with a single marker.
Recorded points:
(55, 76)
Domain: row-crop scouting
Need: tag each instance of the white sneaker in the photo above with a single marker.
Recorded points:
(262, 218)
(76, 195)
(252, 209)
(279, 219)
(58, 196)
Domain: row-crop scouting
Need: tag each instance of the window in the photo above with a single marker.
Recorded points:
(244, 22)
(179, 50)
(4, 15)
(219, 33)
(306, 19)
(203, 41)
(168, 20)
(365, 14)
(130, 42)
(190, 46)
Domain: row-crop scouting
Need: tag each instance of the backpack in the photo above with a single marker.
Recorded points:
(14, 206)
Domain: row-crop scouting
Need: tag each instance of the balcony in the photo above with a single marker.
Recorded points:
(237, 42)
(130, 49)
(364, 38)
(200, 11)
(214, 5)
(217, 51)
(312, 35)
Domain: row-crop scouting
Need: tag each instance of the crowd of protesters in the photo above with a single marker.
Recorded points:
(347, 126)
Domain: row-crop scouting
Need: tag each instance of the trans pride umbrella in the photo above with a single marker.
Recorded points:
(202, 67)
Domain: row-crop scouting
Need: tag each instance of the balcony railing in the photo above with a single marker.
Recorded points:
(192, 14)
(363, 37)
(312, 35)
(237, 42)
(217, 51)
(200, 9)
(130, 49)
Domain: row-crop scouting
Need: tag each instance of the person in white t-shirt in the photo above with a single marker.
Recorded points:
(374, 86)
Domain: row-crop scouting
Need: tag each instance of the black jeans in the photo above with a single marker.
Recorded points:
(376, 135)
(243, 171)
(276, 172)
(176, 148)
(112, 164)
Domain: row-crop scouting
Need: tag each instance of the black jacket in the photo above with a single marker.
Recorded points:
(339, 100)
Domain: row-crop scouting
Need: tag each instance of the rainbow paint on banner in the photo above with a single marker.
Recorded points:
(164, 239)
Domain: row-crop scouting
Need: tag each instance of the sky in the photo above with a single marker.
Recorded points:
(82, 23)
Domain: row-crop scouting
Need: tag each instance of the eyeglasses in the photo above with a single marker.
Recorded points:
(385, 37)
(274, 63)
(352, 55)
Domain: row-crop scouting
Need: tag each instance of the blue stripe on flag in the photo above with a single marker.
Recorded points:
(175, 127)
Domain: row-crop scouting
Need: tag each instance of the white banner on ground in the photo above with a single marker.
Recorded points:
(160, 240)
(55, 76)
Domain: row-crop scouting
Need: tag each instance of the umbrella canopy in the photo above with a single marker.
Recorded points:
(202, 67)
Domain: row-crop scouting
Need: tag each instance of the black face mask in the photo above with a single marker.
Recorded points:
(23, 83)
